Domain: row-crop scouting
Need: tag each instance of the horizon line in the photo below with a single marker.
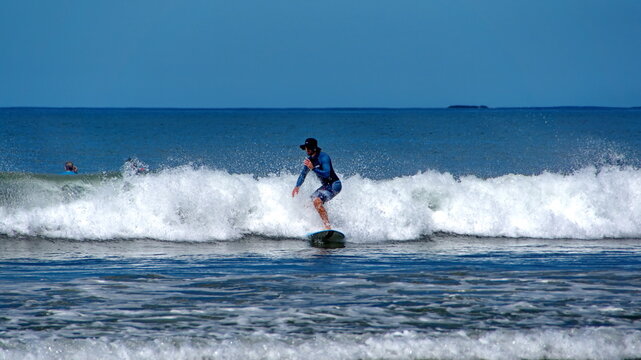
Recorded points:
(330, 108)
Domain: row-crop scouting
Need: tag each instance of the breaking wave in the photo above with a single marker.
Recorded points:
(199, 204)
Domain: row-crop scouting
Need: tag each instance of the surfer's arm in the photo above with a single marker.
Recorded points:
(301, 177)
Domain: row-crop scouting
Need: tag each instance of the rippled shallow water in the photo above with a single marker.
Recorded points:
(442, 297)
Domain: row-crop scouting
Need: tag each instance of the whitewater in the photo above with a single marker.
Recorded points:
(595, 344)
(190, 203)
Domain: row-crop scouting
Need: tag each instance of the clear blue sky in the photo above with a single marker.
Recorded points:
(300, 53)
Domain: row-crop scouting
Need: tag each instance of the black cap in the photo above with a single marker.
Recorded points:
(310, 143)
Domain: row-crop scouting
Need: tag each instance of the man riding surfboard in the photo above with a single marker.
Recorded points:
(320, 163)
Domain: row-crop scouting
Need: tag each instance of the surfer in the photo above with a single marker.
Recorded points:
(70, 169)
(135, 166)
(320, 163)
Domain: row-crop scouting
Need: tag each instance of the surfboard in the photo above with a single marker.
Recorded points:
(327, 237)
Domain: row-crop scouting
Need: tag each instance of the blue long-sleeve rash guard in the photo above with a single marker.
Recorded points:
(322, 168)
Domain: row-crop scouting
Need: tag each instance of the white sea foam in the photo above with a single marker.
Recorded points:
(596, 343)
(203, 204)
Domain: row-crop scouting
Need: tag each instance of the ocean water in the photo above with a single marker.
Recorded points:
(471, 234)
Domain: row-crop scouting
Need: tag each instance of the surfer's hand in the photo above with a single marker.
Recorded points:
(295, 191)
(308, 164)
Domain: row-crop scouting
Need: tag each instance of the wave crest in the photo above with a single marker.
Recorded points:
(196, 204)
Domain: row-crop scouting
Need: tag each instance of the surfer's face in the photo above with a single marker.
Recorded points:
(310, 152)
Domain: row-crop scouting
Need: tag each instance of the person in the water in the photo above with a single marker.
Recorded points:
(70, 169)
(320, 163)
(135, 166)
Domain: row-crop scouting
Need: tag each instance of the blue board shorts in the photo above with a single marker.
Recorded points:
(327, 192)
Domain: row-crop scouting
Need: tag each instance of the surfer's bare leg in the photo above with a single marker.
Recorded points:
(318, 204)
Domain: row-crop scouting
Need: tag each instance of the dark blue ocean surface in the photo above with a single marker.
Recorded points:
(471, 234)
(373, 143)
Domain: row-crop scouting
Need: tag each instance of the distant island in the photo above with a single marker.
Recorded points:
(467, 107)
